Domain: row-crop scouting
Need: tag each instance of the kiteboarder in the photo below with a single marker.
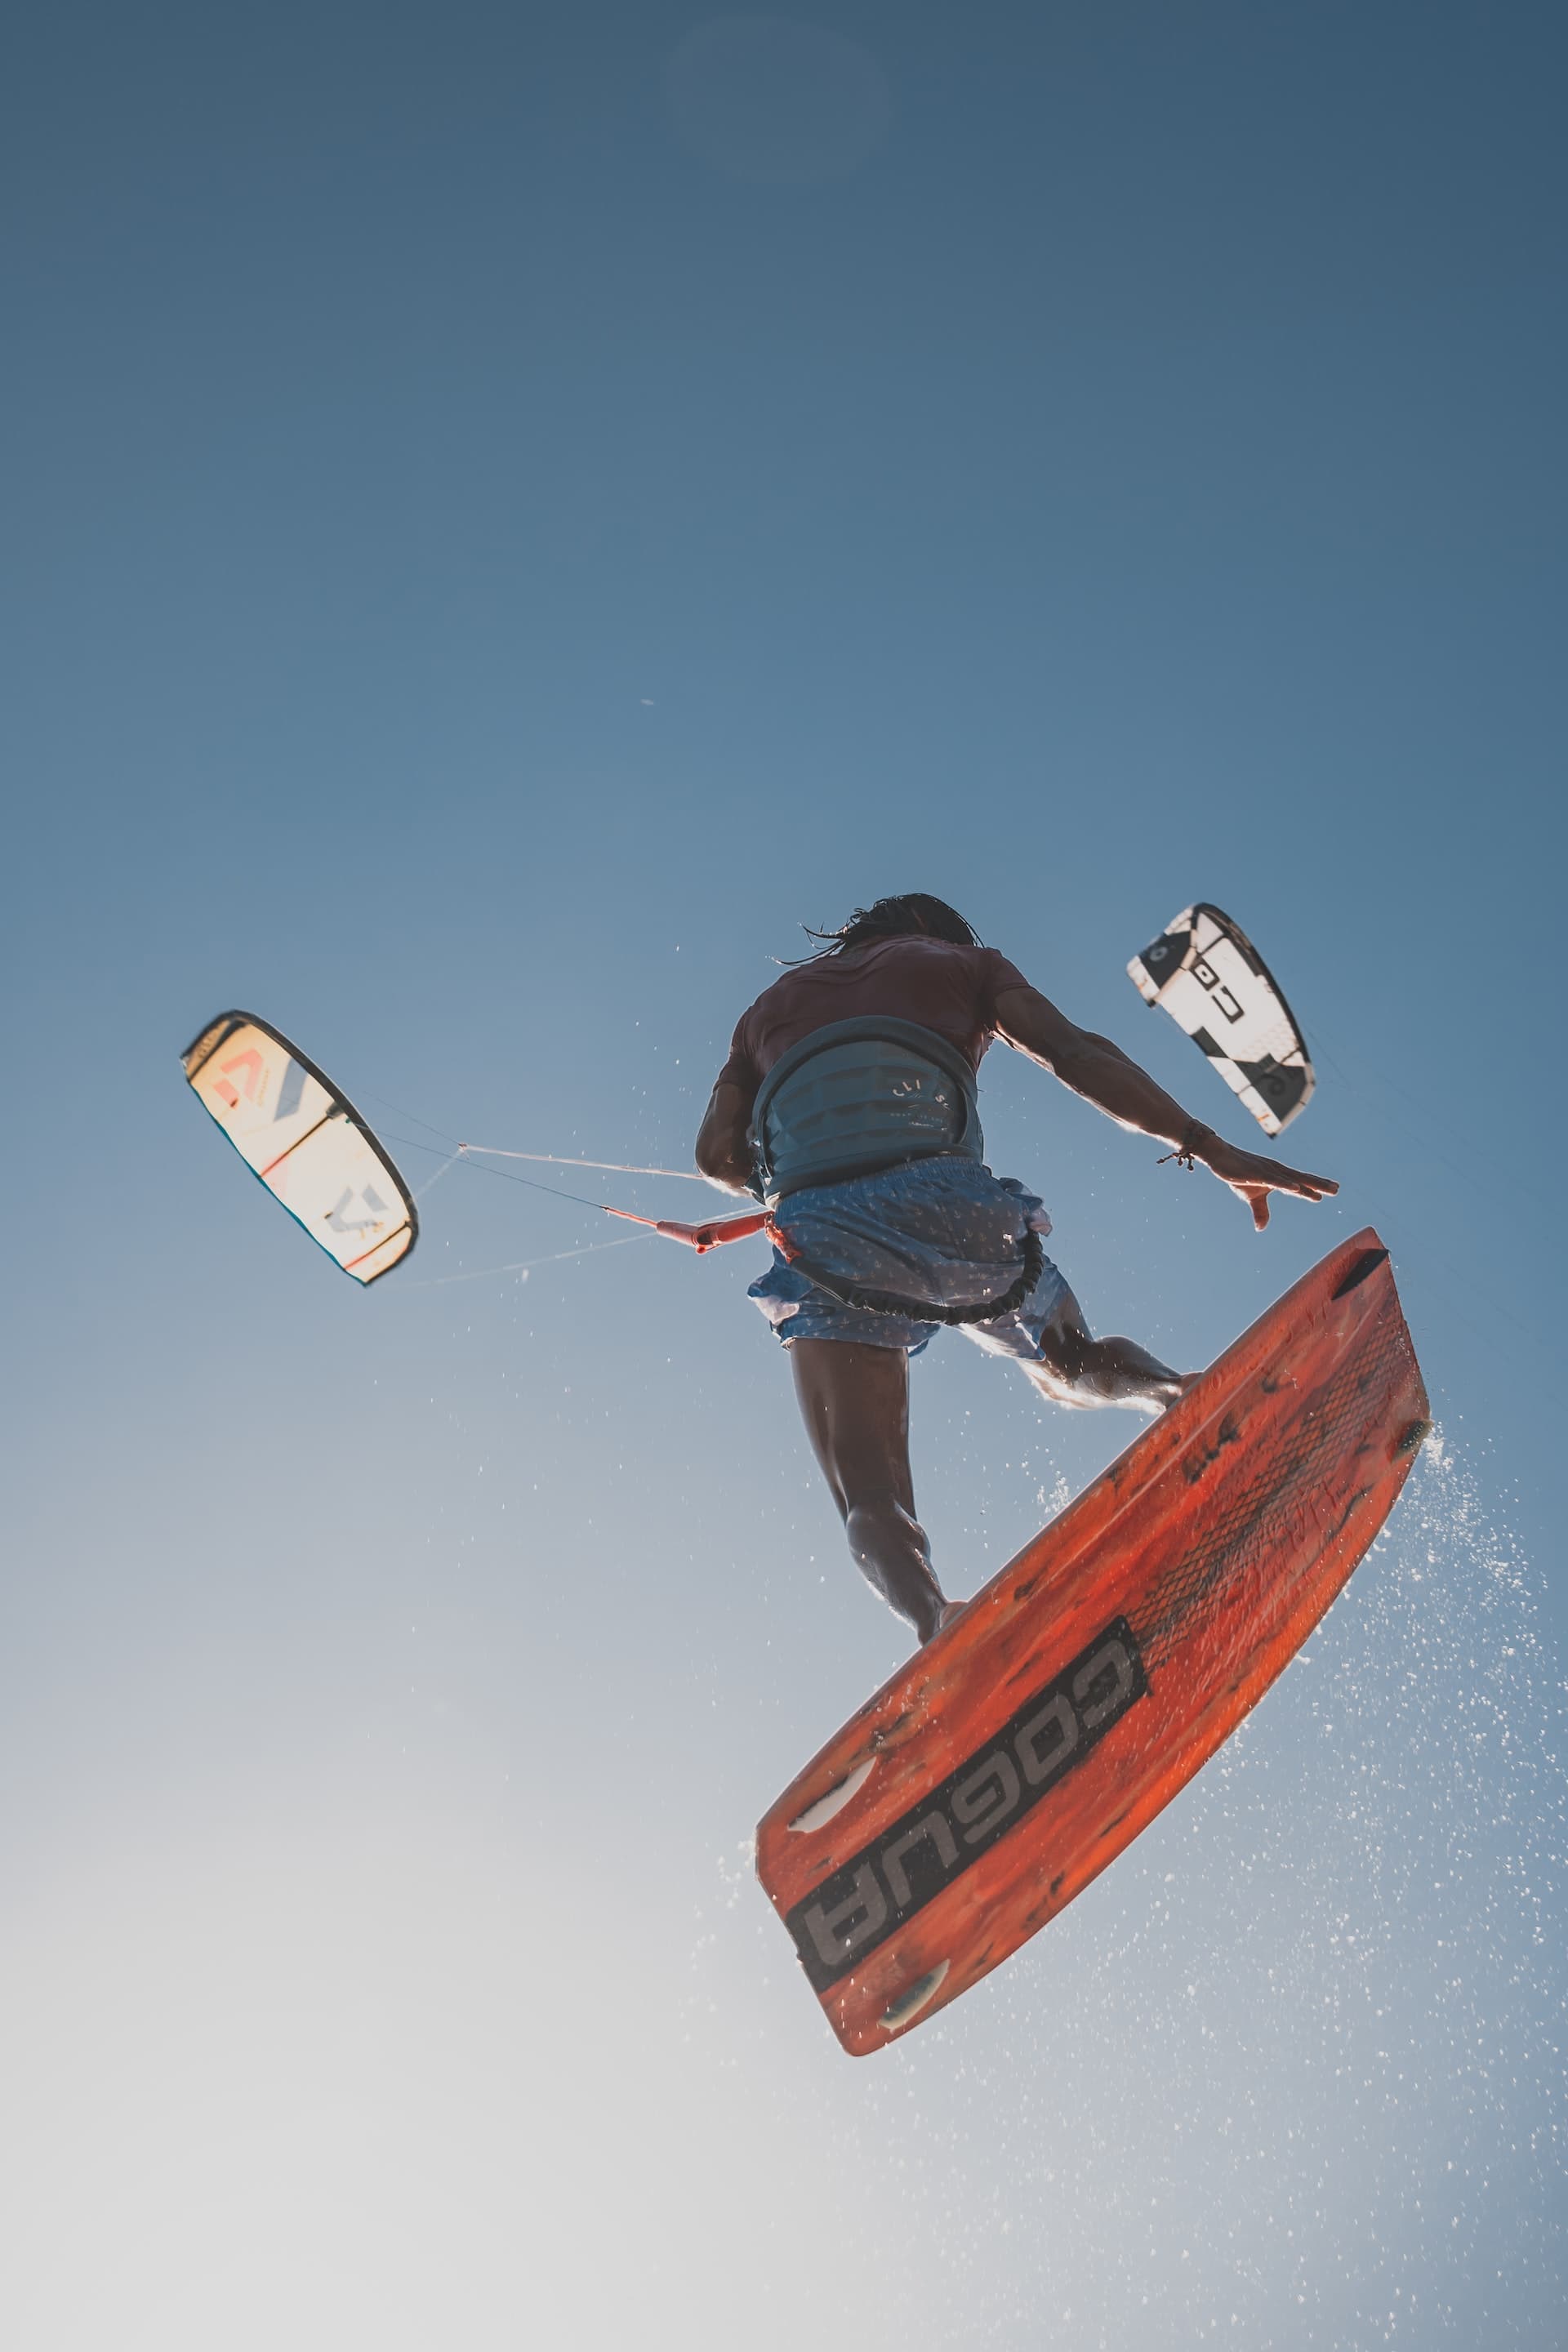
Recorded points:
(848, 1105)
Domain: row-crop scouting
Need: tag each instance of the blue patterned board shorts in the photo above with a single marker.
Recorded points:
(943, 1229)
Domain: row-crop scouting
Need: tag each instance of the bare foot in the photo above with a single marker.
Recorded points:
(1188, 1380)
(949, 1611)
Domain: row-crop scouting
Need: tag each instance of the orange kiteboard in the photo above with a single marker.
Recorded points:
(1021, 1750)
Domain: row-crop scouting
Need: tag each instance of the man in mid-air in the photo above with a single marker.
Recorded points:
(849, 1104)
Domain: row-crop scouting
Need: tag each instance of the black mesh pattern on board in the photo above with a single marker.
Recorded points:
(1252, 1522)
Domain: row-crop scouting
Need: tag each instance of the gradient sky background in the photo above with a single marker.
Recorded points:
(511, 510)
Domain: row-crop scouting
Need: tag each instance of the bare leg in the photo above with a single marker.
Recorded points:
(1078, 1369)
(855, 1401)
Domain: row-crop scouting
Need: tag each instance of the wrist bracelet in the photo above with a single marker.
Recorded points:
(1185, 1153)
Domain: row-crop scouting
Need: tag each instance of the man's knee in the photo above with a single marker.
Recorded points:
(1063, 1354)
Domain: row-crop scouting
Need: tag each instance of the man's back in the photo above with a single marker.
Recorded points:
(949, 989)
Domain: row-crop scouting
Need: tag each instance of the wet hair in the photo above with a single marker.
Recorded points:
(915, 912)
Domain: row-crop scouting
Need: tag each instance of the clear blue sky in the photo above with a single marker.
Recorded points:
(509, 510)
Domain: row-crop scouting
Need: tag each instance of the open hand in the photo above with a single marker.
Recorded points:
(1252, 1178)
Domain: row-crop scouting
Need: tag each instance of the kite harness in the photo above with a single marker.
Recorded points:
(850, 1099)
(717, 1231)
(856, 1097)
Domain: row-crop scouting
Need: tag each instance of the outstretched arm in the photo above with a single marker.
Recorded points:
(1092, 1066)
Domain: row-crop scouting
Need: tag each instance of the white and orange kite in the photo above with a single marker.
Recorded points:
(306, 1142)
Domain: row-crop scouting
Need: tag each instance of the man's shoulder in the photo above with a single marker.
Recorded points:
(775, 990)
(984, 967)
(908, 949)
(958, 953)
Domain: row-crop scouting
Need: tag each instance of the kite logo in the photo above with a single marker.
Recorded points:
(249, 1062)
(870, 1898)
(1207, 977)
(339, 1223)
(251, 1072)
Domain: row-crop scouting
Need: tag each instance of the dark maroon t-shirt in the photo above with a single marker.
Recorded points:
(952, 990)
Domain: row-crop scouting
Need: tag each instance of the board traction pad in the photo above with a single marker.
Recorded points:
(1022, 1750)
